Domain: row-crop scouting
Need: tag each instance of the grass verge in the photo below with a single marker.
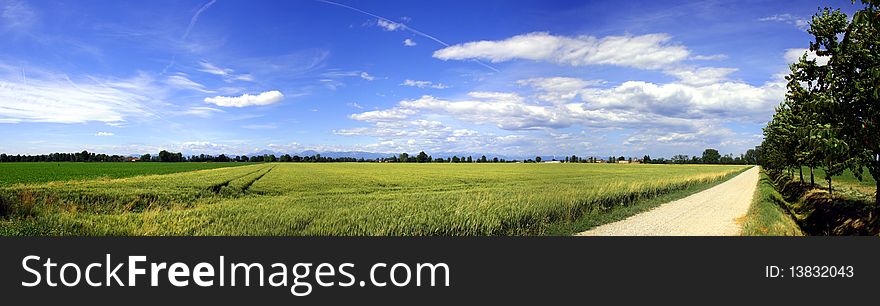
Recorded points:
(769, 215)
(586, 222)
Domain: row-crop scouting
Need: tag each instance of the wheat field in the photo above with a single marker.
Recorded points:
(342, 199)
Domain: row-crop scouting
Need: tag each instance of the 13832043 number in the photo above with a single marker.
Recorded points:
(821, 271)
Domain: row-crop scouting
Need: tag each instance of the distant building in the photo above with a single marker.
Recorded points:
(552, 162)
(132, 159)
(623, 162)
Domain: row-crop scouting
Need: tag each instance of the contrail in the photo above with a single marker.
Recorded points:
(404, 26)
(195, 18)
(192, 23)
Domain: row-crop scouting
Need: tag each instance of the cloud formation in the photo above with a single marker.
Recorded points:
(677, 115)
(56, 98)
(713, 57)
(701, 75)
(423, 84)
(801, 23)
(200, 111)
(16, 15)
(650, 51)
(409, 42)
(227, 74)
(389, 25)
(180, 81)
(104, 134)
(264, 98)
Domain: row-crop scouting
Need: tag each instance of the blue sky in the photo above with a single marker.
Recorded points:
(516, 78)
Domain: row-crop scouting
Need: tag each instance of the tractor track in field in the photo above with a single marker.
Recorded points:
(248, 185)
(711, 212)
(217, 187)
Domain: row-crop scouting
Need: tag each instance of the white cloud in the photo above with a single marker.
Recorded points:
(16, 15)
(505, 110)
(201, 147)
(650, 51)
(355, 105)
(244, 77)
(433, 136)
(389, 25)
(714, 57)
(424, 84)
(409, 42)
(576, 102)
(366, 76)
(335, 73)
(728, 100)
(383, 115)
(331, 84)
(104, 134)
(52, 97)
(418, 135)
(701, 75)
(699, 138)
(227, 74)
(182, 82)
(332, 75)
(264, 98)
(212, 69)
(799, 22)
(201, 111)
(794, 55)
(558, 89)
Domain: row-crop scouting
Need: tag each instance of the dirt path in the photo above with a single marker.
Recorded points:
(711, 212)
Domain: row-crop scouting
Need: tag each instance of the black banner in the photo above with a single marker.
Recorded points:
(494, 270)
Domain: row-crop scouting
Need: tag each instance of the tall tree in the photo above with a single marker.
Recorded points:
(711, 156)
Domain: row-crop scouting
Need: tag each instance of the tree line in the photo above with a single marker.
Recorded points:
(710, 156)
(830, 116)
(83, 156)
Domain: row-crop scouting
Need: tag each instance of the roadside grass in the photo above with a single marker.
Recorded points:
(586, 222)
(768, 215)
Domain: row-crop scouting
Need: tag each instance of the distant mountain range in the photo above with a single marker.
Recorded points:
(374, 155)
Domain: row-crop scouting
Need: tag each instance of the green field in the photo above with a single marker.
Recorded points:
(846, 179)
(40, 172)
(344, 199)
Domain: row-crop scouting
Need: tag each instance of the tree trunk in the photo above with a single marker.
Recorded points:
(812, 182)
(874, 170)
(801, 172)
(829, 188)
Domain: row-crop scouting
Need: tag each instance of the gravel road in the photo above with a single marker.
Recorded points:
(711, 212)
